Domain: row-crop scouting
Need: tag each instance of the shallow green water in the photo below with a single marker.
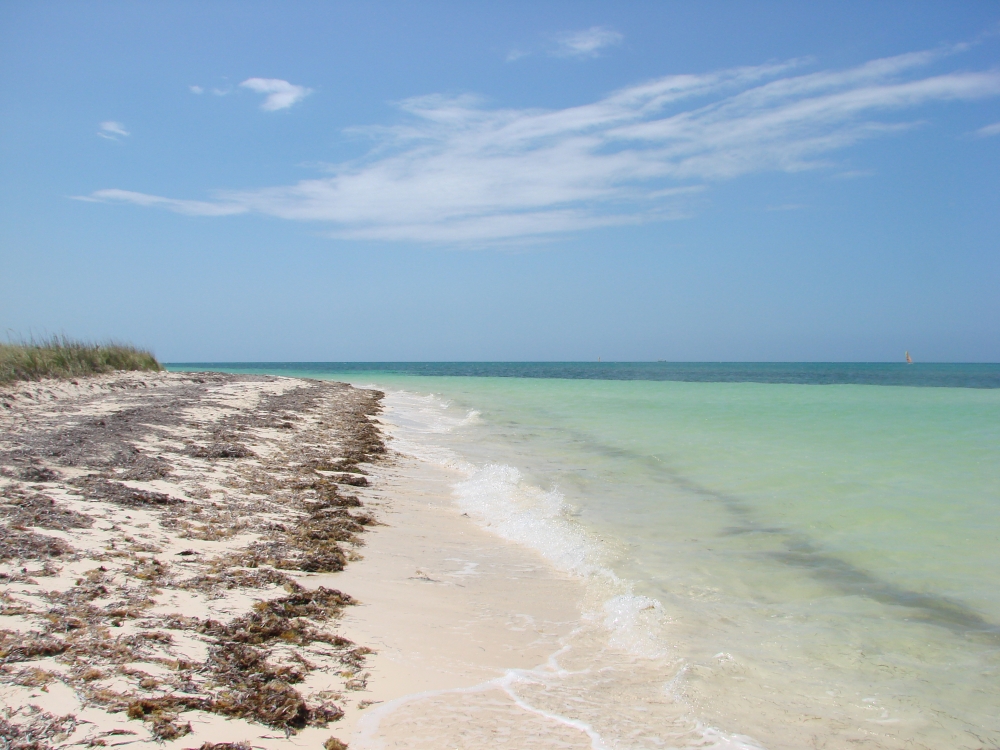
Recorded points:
(823, 561)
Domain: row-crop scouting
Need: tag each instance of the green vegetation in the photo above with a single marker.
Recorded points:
(60, 357)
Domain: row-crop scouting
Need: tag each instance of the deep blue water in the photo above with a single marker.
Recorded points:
(949, 375)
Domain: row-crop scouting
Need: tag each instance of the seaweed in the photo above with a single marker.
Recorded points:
(150, 708)
(329, 560)
(284, 618)
(237, 578)
(247, 688)
(304, 522)
(20, 544)
(96, 488)
(147, 569)
(169, 728)
(17, 647)
(42, 511)
(252, 688)
(141, 468)
(311, 556)
(38, 474)
(36, 732)
(32, 677)
(221, 450)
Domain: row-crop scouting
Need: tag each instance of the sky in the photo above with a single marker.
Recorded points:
(399, 181)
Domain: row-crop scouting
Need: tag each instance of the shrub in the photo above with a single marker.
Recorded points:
(60, 357)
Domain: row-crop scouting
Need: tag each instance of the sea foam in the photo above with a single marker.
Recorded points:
(498, 498)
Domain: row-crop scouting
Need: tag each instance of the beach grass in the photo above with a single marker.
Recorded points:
(61, 357)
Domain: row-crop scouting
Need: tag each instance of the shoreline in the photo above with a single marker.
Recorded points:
(197, 558)
(478, 610)
(449, 609)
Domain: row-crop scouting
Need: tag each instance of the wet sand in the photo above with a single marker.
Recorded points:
(452, 613)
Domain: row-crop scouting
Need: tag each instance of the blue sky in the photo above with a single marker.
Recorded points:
(520, 181)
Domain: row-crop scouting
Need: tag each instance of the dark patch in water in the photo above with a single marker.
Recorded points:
(933, 609)
(802, 553)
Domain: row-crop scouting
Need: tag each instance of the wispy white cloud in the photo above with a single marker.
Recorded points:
(586, 43)
(280, 94)
(111, 130)
(989, 130)
(457, 171)
(196, 89)
(191, 208)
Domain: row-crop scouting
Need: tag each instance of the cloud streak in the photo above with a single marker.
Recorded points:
(111, 130)
(456, 171)
(191, 208)
(586, 43)
(989, 130)
(280, 94)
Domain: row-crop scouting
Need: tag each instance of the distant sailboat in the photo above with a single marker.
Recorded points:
(909, 360)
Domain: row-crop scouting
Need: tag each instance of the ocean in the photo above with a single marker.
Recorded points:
(775, 555)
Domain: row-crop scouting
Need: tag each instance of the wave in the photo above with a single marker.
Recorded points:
(498, 498)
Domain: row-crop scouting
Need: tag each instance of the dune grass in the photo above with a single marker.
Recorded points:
(61, 357)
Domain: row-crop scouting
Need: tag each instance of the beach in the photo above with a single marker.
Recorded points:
(461, 561)
(156, 531)
(158, 591)
(771, 555)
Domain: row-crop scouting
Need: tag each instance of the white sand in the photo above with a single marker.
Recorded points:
(449, 610)
(447, 606)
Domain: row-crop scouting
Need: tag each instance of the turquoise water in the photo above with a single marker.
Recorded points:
(785, 564)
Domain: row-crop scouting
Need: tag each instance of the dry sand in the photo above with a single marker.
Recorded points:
(172, 559)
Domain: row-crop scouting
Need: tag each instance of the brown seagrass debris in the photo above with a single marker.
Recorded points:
(38, 731)
(18, 544)
(37, 474)
(77, 641)
(142, 468)
(97, 488)
(246, 687)
(243, 684)
(254, 689)
(302, 520)
(312, 545)
(221, 450)
(321, 557)
(17, 647)
(22, 509)
(237, 578)
(283, 618)
(351, 479)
